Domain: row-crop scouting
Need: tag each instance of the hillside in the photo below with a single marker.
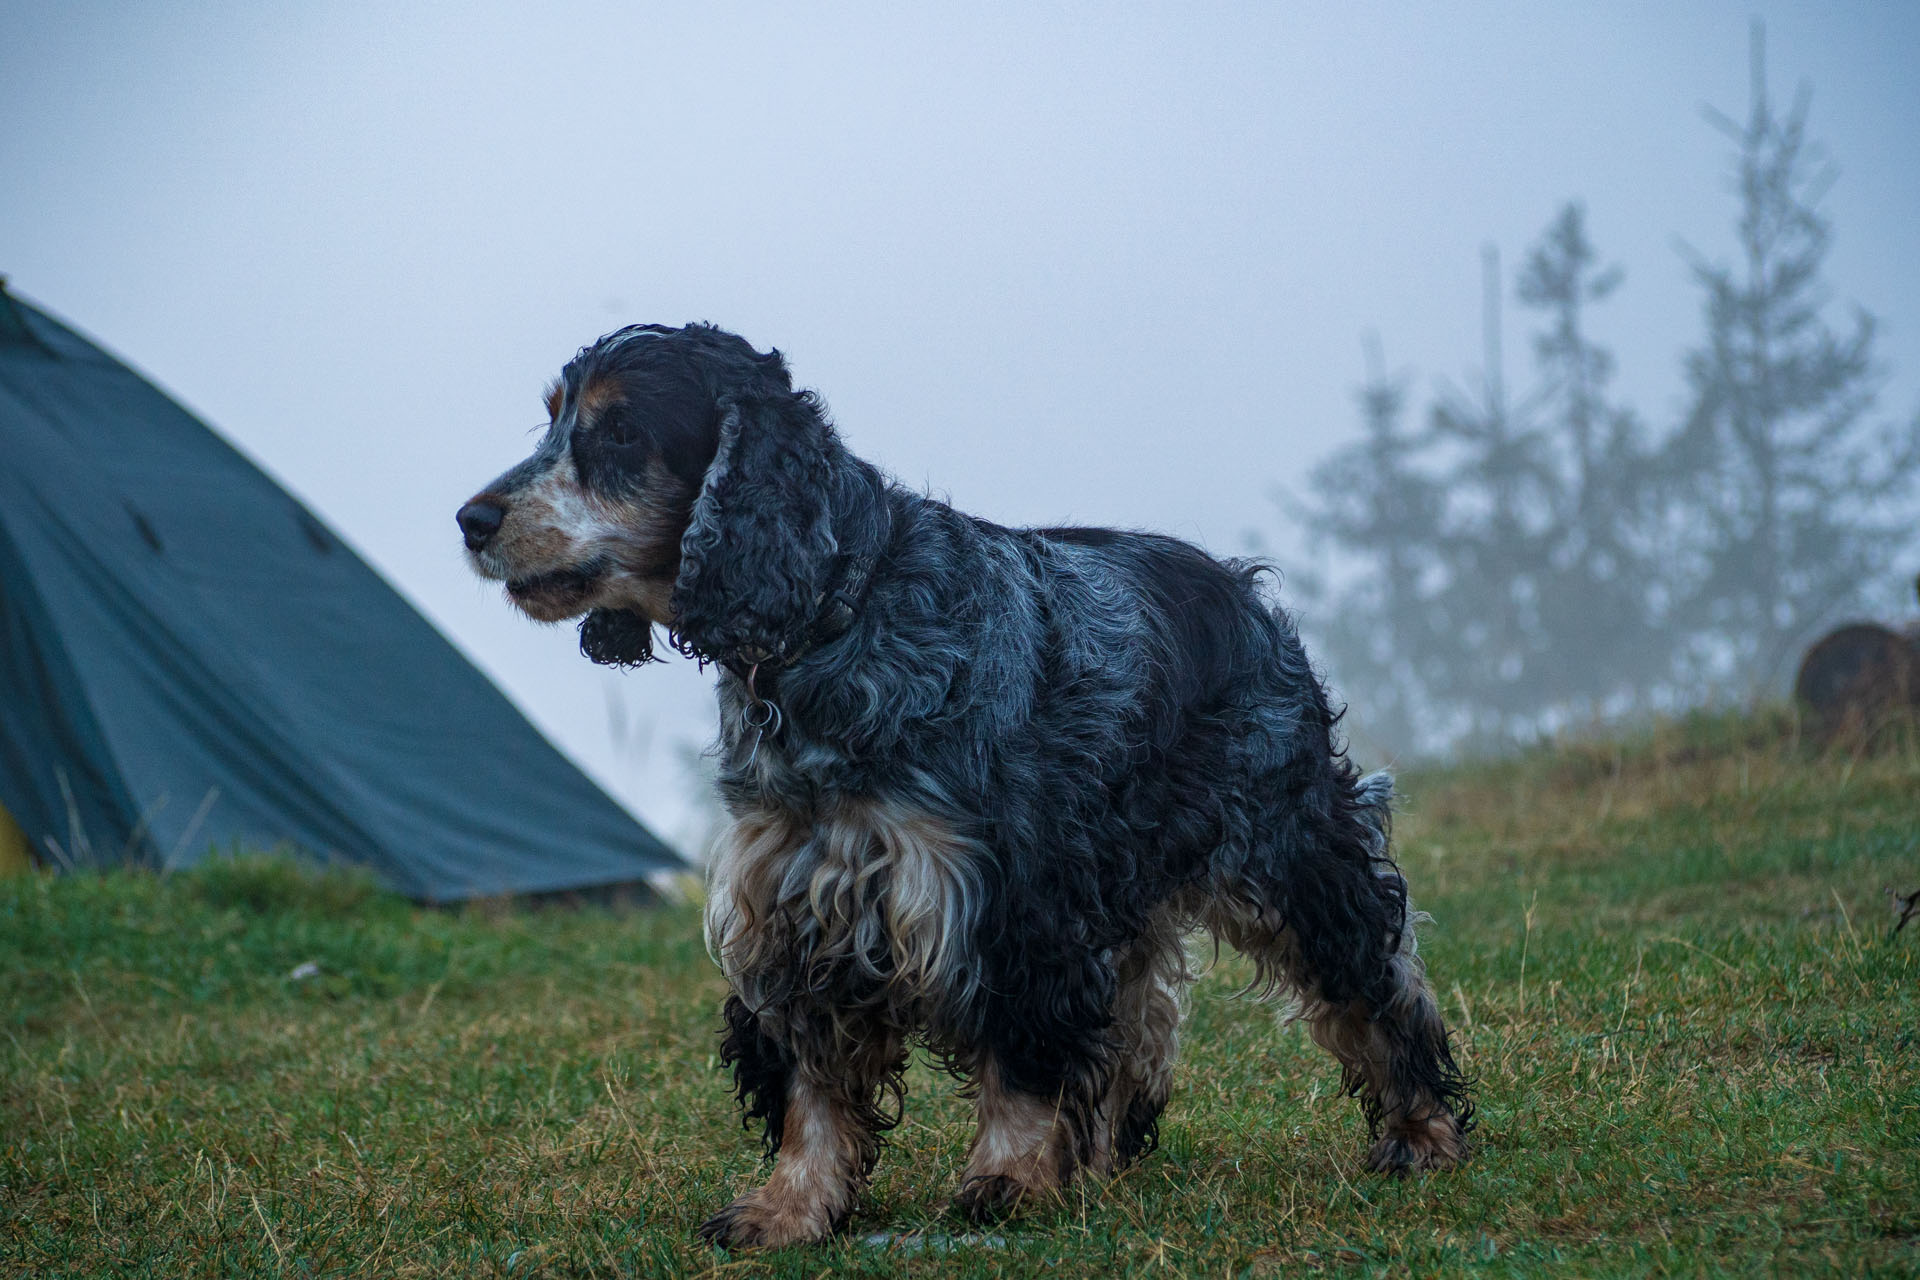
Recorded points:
(1669, 961)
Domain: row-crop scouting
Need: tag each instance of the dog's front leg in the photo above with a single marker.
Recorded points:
(815, 1179)
(824, 1119)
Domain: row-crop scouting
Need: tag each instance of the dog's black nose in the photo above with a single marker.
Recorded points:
(480, 520)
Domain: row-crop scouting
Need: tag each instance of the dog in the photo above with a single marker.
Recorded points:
(982, 784)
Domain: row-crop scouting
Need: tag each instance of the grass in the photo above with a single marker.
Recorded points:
(1668, 960)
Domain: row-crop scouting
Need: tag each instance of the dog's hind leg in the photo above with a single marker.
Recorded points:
(1154, 976)
(1329, 922)
(1396, 1059)
(824, 1115)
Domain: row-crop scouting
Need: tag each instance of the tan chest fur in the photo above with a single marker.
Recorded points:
(866, 880)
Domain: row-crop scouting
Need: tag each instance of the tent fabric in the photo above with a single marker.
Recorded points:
(192, 661)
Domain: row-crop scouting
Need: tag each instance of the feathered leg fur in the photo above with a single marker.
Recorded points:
(1154, 976)
(824, 1117)
(1341, 940)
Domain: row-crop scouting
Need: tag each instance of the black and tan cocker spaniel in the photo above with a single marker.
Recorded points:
(983, 783)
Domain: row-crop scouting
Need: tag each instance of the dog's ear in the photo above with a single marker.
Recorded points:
(617, 637)
(755, 557)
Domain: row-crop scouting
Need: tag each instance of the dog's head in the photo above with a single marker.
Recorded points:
(681, 481)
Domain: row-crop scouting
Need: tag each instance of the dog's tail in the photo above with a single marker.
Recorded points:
(1373, 809)
(1373, 803)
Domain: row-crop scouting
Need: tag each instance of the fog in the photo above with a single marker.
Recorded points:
(1105, 264)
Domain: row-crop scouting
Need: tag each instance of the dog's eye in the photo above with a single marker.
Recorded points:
(617, 426)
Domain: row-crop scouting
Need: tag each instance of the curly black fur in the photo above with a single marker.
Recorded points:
(762, 1070)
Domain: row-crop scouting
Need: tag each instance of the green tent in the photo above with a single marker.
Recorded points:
(191, 661)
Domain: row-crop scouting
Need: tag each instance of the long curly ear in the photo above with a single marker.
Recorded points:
(755, 557)
(617, 637)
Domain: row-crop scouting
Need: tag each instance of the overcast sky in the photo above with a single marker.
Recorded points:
(1099, 263)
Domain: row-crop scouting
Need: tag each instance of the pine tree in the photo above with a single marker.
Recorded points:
(1372, 502)
(1502, 488)
(1504, 576)
(1790, 486)
(1603, 584)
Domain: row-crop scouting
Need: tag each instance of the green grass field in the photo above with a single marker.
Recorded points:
(1669, 963)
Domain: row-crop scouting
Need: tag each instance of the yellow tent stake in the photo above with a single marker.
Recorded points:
(14, 858)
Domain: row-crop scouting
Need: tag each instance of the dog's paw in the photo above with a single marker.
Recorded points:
(750, 1223)
(1432, 1144)
(990, 1197)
